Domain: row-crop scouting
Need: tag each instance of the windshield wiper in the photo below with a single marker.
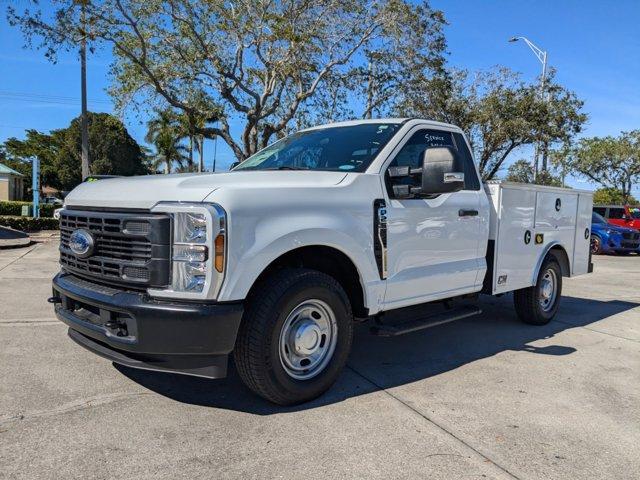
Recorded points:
(287, 167)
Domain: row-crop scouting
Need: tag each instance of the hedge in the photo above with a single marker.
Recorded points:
(15, 208)
(29, 224)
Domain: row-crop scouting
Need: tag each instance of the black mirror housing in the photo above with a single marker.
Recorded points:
(442, 171)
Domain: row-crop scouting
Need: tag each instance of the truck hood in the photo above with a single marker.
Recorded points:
(146, 191)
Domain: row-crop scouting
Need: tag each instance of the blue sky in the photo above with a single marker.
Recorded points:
(593, 45)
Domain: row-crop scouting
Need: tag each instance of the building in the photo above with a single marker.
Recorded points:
(11, 184)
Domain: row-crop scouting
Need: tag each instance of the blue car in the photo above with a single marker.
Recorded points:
(609, 238)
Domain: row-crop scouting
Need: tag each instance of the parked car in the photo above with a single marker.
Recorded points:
(621, 215)
(609, 238)
(275, 260)
(52, 201)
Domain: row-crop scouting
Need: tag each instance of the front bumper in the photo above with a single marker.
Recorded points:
(616, 243)
(131, 329)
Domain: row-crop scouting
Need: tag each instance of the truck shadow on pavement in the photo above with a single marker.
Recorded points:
(379, 363)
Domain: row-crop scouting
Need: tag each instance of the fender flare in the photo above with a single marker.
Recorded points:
(565, 263)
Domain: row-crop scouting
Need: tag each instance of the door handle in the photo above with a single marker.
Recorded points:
(467, 213)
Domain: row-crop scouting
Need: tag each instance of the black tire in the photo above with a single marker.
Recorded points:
(596, 245)
(258, 347)
(527, 301)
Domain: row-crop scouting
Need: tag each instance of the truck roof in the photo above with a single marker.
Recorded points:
(417, 121)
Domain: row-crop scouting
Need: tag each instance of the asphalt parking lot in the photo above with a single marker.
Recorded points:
(486, 397)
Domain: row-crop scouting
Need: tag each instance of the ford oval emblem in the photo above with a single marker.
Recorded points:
(81, 243)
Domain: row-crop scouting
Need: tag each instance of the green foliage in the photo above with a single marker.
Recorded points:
(498, 112)
(612, 196)
(165, 132)
(521, 171)
(260, 64)
(35, 144)
(612, 162)
(112, 152)
(29, 224)
(15, 208)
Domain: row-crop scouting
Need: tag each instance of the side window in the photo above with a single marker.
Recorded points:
(411, 155)
(471, 181)
(600, 210)
(616, 213)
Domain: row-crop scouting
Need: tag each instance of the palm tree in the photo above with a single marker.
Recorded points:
(164, 132)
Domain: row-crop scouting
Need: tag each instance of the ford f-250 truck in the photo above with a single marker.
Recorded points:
(275, 260)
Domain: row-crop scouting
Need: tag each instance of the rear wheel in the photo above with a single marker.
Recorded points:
(538, 304)
(295, 336)
(596, 245)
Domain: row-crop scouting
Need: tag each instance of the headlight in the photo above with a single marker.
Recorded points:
(190, 252)
(198, 250)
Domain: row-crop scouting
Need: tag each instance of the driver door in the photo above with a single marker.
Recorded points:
(436, 246)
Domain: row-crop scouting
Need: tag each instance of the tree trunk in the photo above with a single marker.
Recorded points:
(190, 166)
(201, 162)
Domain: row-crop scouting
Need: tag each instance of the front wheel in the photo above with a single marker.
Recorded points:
(295, 336)
(538, 304)
(596, 245)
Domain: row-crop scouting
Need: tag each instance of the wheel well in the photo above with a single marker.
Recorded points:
(327, 260)
(561, 257)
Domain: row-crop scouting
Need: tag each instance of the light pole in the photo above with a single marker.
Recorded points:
(542, 56)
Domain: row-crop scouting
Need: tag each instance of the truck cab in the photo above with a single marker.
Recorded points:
(274, 261)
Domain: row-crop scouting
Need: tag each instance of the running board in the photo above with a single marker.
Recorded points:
(427, 322)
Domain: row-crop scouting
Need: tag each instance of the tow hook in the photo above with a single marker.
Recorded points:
(54, 300)
(119, 328)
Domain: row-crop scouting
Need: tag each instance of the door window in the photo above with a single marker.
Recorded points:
(616, 213)
(411, 156)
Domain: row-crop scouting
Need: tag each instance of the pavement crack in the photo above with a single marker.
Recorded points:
(21, 256)
(477, 452)
(597, 331)
(74, 406)
(29, 322)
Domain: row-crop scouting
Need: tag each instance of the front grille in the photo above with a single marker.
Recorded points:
(631, 236)
(130, 249)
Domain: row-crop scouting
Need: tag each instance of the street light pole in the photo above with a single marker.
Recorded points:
(541, 55)
(84, 127)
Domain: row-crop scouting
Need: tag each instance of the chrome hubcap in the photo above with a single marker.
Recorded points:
(548, 290)
(308, 339)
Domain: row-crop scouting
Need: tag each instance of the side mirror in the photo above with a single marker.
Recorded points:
(442, 171)
(234, 165)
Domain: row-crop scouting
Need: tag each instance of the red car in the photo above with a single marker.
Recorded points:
(622, 215)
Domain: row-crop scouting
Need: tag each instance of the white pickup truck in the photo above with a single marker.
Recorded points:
(275, 260)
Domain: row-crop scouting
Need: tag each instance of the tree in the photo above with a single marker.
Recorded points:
(38, 145)
(612, 162)
(165, 132)
(113, 151)
(257, 62)
(498, 112)
(521, 171)
(612, 196)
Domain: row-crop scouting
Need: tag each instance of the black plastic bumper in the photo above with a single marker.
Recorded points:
(131, 329)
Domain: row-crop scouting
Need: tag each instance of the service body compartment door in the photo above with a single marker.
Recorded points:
(582, 244)
(556, 211)
(515, 254)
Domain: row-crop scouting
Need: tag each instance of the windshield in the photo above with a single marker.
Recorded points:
(346, 149)
(597, 218)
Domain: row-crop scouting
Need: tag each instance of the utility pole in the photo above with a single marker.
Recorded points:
(542, 57)
(83, 87)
